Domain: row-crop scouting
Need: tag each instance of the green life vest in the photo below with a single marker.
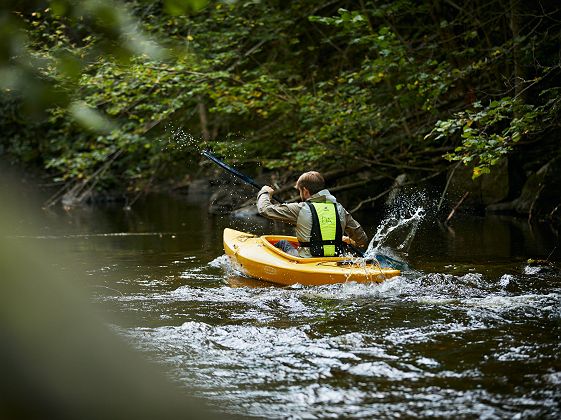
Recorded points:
(326, 236)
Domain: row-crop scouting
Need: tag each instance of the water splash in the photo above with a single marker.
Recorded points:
(392, 226)
(395, 233)
(182, 141)
(397, 230)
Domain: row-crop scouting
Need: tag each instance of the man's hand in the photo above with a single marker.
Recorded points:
(265, 190)
(268, 189)
(349, 241)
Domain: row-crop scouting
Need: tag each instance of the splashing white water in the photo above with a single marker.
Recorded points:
(395, 227)
(393, 224)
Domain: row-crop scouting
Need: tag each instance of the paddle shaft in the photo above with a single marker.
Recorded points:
(235, 172)
(356, 250)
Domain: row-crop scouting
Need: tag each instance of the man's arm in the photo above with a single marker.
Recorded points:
(355, 231)
(287, 213)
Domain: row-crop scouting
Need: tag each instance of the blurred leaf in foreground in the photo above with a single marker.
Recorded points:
(58, 358)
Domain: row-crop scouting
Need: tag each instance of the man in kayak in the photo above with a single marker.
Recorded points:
(321, 222)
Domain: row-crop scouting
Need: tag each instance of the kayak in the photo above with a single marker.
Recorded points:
(257, 257)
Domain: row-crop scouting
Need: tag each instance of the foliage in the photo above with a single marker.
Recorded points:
(488, 133)
(291, 85)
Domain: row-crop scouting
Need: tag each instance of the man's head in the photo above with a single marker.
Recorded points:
(309, 184)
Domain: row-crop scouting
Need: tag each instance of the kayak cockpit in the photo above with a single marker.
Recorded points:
(269, 241)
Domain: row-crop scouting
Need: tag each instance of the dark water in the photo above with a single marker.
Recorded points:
(473, 330)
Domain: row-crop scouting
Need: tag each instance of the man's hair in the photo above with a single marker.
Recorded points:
(312, 181)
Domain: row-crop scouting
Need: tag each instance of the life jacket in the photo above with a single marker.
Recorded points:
(326, 236)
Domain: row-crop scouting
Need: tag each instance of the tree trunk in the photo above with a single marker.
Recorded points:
(203, 117)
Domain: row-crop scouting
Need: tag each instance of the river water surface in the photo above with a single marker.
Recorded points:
(472, 330)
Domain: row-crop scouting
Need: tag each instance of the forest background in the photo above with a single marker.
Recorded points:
(119, 98)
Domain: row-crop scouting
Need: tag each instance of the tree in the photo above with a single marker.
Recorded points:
(290, 85)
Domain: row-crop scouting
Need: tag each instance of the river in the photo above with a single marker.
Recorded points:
(472, 330)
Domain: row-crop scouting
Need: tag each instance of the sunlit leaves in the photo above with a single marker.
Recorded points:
(487, 132)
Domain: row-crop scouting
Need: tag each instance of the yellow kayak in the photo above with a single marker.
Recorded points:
(257, 257)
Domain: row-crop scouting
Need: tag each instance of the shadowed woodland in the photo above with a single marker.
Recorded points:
(119, 99)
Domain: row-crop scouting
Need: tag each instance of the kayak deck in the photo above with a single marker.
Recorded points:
(257, 257)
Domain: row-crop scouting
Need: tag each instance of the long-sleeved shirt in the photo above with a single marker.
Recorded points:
(299, 214)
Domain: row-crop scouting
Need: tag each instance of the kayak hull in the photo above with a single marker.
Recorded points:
(257, 257)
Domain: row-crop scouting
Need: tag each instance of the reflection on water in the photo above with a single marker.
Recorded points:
(472, 331)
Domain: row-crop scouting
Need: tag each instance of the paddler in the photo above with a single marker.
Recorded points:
(322, 224)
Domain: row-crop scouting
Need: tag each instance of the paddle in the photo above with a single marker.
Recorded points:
(382, 259)
(235, 172)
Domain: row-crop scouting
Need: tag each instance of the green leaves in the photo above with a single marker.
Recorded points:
(346, 20)
(180, 7)
(487, 133)
(287, 84)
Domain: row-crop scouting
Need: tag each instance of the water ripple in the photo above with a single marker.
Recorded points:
(421, 344)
